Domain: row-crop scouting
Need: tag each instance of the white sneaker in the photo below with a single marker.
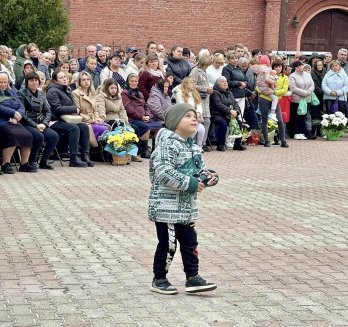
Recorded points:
(229, 145)
(300, 137)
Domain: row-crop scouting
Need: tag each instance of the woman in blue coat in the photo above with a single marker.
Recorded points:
(335, 87)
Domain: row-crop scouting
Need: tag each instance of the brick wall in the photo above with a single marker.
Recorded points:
(271, 29)
(191, 23)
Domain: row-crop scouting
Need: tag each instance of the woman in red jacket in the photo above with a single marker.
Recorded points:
(138, 113)
(149, 75)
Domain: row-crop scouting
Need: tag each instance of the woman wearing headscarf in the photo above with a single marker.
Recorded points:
(138, 113)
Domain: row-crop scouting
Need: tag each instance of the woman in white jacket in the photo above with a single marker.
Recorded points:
(135, 63)
(186, 93)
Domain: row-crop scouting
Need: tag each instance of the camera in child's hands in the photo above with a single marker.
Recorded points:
(208, 177)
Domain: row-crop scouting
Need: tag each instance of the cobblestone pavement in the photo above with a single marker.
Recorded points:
(76, 246)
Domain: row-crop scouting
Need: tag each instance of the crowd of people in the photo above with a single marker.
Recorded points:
(49, 98)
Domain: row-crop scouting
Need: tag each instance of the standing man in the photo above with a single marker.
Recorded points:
(327, 60)
(342, 58)
(91, 52)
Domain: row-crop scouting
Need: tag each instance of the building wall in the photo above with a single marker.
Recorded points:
(304, 10)
(191, 23)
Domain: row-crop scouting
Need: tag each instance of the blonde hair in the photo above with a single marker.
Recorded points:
(150, 57)
(185, 91)
(204, 61)
(218, 56)
(91, 89)
(67, 53)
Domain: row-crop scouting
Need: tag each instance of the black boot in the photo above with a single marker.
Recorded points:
(144, 149)
(85, 158)
(238, 145)
(76, 162)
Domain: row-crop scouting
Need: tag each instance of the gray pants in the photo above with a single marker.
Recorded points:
(206, 124)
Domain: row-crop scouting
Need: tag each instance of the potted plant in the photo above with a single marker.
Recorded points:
(333, 126)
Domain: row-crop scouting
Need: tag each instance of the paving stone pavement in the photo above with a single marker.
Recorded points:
(77, 247)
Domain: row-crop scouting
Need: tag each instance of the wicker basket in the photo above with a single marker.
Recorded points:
(120, 161)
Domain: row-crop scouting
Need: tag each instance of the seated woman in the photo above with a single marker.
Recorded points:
(110, 106)
(42, 80)
(102, 61)
(34, 53)
(6, 66)
(61, 101)
(176, 65)
(109, 102)
(12, 133)
(223, 105)
(138, 113)
(36, 120)
(335, 86)
(149, 75)
(135, 64)
(114, 70)
(159, 100)
(73, 66)
(63, 54)
(85, 99)
(186, 93)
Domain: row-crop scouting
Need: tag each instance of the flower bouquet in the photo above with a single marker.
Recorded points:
(121, 143)
(333, 126)
(272, 126)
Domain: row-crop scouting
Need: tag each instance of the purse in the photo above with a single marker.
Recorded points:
(334, 107)
(315, 101)
(302, 107)
(72, 119)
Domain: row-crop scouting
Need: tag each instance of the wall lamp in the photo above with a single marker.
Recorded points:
(295, 21)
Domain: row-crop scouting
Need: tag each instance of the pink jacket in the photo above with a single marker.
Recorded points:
(264, 78)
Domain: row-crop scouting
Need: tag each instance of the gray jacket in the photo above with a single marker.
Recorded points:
(301, 85)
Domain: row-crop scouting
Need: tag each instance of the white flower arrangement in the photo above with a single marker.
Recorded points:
(334, 125)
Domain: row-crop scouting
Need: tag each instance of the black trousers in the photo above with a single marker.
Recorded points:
(77, 134)
(168, 235)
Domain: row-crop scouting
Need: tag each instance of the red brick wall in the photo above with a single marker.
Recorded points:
(191, 23)
(271, 29)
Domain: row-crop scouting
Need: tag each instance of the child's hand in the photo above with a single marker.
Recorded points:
(200, 187)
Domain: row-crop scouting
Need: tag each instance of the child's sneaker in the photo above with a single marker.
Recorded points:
(163, 286)
(198, 284)
(272, 116)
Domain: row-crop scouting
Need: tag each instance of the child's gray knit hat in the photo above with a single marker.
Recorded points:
(175, 113)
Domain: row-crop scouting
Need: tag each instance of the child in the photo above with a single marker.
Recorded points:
(266, 80)
(177, 173)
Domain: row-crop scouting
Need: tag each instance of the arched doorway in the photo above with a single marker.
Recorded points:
(327, 31)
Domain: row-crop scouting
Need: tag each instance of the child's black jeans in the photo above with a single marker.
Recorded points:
(168, 235)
